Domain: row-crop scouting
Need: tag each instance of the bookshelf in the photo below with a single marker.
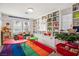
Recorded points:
(76, 16)
(34, 26)
(55, 22)
(49, 25)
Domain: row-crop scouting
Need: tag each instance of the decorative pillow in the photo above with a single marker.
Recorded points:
(74, 50)
(67, 47)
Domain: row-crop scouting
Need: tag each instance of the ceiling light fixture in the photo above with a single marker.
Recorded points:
(30, 10)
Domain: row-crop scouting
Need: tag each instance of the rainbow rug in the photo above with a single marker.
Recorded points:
(29, 48)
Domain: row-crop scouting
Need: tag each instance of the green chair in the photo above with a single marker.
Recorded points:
(34, 38)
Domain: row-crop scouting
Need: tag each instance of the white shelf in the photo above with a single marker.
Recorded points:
(75, 20)
(76, 10)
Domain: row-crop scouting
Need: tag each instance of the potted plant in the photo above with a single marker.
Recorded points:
(71, 38)
(61, 36)
(66, 37)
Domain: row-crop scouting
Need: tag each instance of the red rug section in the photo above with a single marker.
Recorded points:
(48, 49)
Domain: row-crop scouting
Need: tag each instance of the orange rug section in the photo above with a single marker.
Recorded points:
(37, 49)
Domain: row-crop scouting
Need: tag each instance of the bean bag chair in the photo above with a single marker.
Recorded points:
(34, 38)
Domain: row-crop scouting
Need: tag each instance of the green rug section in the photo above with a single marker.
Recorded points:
(28, 50)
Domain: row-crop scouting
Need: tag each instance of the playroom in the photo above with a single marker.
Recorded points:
(39, 29)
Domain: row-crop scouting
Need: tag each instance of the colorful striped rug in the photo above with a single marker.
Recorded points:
(29, 48)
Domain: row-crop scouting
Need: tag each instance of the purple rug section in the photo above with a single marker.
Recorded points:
(6, 51)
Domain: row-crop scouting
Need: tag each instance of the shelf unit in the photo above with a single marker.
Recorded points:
(55, 22)
(49, 23)
(34, 26)
(76, 16)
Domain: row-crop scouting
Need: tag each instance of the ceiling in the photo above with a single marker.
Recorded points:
(19, 9)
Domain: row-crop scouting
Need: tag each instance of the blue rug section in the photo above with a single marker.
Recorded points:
(6, 51)
(17, 50)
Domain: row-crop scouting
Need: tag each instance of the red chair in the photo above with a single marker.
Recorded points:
(47, 34)
(20, 37)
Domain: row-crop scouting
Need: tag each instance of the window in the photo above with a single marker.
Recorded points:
(17, 26)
